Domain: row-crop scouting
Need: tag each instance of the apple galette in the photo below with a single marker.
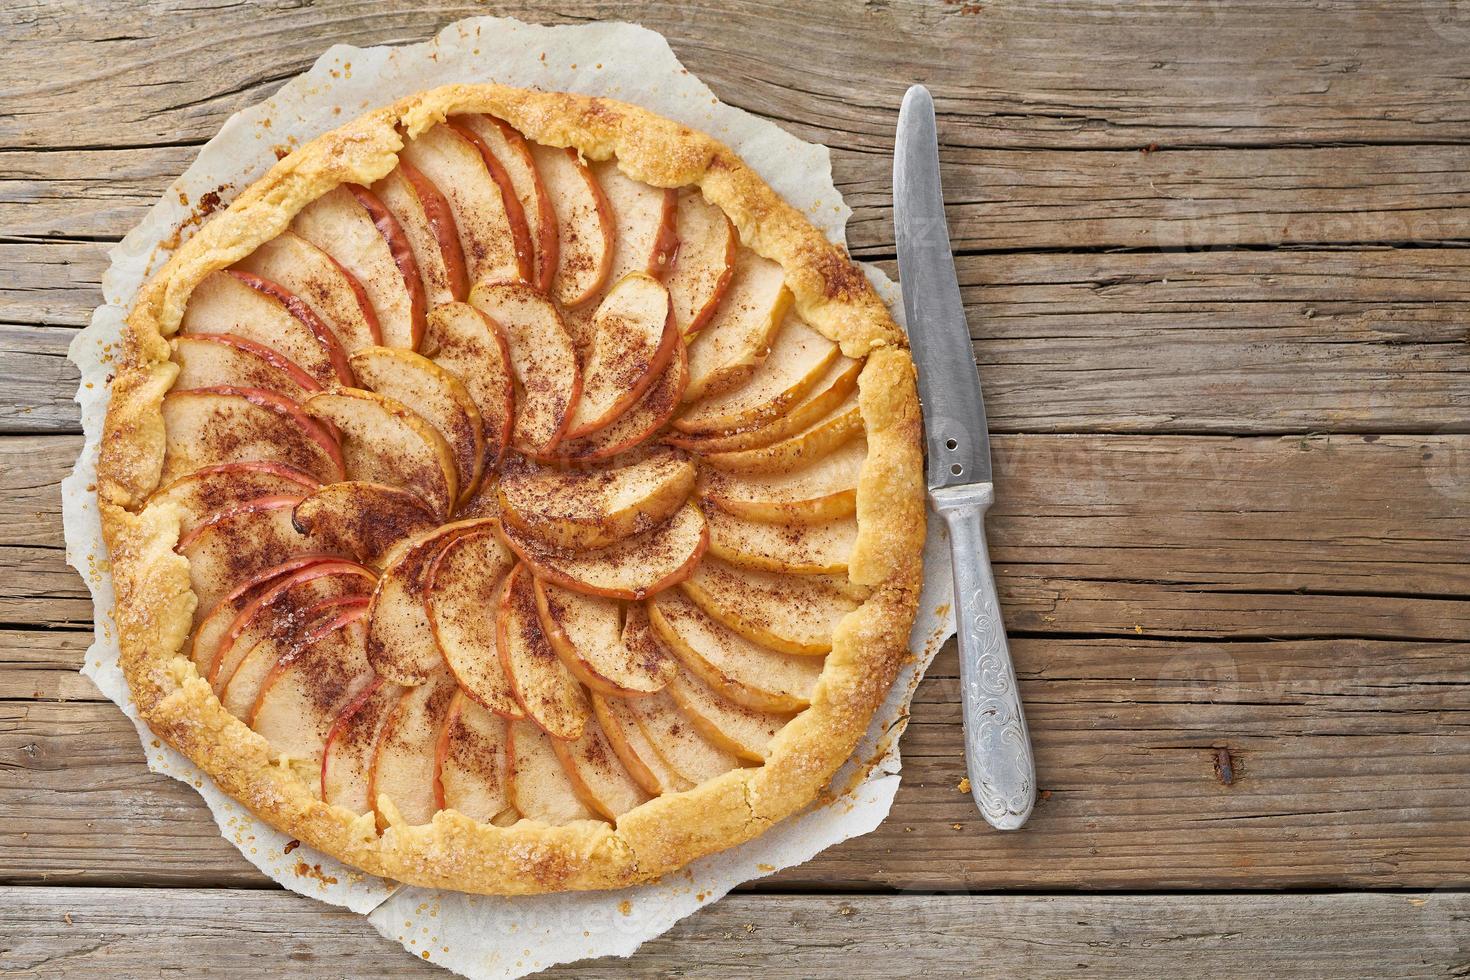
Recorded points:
(509, 492)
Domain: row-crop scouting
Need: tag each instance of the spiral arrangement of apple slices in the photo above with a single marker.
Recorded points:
(511, 485)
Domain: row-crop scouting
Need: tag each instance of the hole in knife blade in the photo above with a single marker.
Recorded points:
(957, 469)
(951, 444)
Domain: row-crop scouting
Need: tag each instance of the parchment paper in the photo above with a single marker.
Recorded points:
(482, 937)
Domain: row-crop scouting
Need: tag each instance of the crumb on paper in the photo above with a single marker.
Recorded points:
(625, 907)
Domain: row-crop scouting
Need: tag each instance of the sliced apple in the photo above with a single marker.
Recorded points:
(678, 742)
(821, 491)
(307, 689)
(539, 787)
(738, 336)
(595, 508)
(212, 489)
(471, 764)
(428, 223)
(598, 647)
(630, 569)
(513, 153)
(638, 424)
(542, 685)
(242, 689)
(800, 549)
(733, 727)
(598, 777)
(644, 764)
(384, 441)
(246, 306)
(404, 761)
(363, 520)
(548, 379)
(461, 590)
(216, 622)
(584, 224)
(401, 643)
(238, 543)
(352, 741)
(351, 225)
(312, 274)
(832, 392)
(799, 359)
(435, 395)
(210, 427)
(472, 347)
(825, 437)
(281, 609)
(633, 338)
(492, 228)
(702, 267)
(791, 613)
(744, 672)
(210, 360)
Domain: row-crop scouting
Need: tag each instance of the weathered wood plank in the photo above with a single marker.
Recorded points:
(67, 932)
(1163, 764)
(1207, 341)
(1188, 536)
(1175, 72)
(998, 198)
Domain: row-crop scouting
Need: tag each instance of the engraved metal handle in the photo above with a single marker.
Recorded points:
(997, 745)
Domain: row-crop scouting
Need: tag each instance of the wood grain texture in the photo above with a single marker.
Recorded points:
(144, 933)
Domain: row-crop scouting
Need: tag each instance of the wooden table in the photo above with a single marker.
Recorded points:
(1214, 256)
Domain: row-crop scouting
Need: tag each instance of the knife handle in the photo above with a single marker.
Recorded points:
(997, 744)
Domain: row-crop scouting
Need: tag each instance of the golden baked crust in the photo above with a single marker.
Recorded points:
(155, 602)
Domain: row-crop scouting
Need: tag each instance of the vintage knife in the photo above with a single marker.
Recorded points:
(997, 745)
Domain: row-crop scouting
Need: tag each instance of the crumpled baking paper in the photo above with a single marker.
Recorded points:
(486, 937)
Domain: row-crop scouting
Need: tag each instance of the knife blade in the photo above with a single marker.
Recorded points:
(998, 753)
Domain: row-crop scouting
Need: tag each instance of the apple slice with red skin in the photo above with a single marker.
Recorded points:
(240, 691)
(538, 679)
(548, 378)
(704, 263)
(280, 607)
(820, 491)
(738, 336)
(598, 777)
(584, 224)
(437, 396)
(363, 520)
(403, 763)
(210, 427)
(401, 643)
(744, 672)
(472, 347)
(347, 760)
(829, 393)
(620, 728)
(513, 153)
(333, 292)
(487, 213)
(205, 639)
(677, 741)
(424, 215)
(351, 225)
(211, 360)
(634, 337)
(244, 305)
(470, 763)
(212, 489)
(539, 787)
(309, 686)
(631, 569)
(384, 441)
(822, 439)
(638, 424)
(733, 727)
(608, 655)
(595, 508)
(461, 596)
(238, 543)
